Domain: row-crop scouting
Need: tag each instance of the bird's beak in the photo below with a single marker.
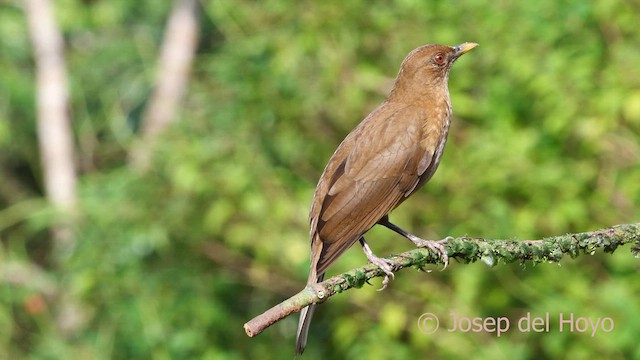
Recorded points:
(464, 48)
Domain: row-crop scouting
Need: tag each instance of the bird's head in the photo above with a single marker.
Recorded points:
(427, 67)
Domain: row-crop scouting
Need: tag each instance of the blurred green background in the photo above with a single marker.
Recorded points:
(171, 263)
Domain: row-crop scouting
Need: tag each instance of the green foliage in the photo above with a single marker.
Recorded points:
(544, 142)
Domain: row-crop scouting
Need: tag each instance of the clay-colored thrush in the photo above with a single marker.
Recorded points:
(386, 158)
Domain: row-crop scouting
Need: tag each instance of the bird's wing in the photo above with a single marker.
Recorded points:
(367, 183)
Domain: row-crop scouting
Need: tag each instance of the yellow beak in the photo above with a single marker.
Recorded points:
(464, 48)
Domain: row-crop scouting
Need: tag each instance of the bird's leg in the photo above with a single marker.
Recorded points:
(384, 264)
(434, 246)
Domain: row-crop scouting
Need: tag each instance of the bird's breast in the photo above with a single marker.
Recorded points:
(435, 131)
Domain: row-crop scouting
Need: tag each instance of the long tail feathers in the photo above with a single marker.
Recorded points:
(305, 321)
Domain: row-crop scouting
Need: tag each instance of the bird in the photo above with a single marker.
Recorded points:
(391, 154)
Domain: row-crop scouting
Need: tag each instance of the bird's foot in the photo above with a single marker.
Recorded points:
(435, 246)
(385, 265)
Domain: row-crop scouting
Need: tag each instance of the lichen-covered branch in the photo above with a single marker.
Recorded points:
(464, 249)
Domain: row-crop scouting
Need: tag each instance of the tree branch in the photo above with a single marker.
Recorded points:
(54, 126)
(466, 250)
(55, 134)
(178, 51)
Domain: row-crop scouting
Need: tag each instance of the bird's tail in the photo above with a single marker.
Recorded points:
(305, 319)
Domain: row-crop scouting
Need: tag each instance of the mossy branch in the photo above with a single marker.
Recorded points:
(466, 250)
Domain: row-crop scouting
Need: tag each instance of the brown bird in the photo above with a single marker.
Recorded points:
(386, 158)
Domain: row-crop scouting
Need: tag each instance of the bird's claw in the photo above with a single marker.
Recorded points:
(436, 247)
(386, 266)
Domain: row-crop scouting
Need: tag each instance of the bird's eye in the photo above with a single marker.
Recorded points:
(439, 58)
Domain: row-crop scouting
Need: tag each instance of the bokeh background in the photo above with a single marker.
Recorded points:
(170, 262)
